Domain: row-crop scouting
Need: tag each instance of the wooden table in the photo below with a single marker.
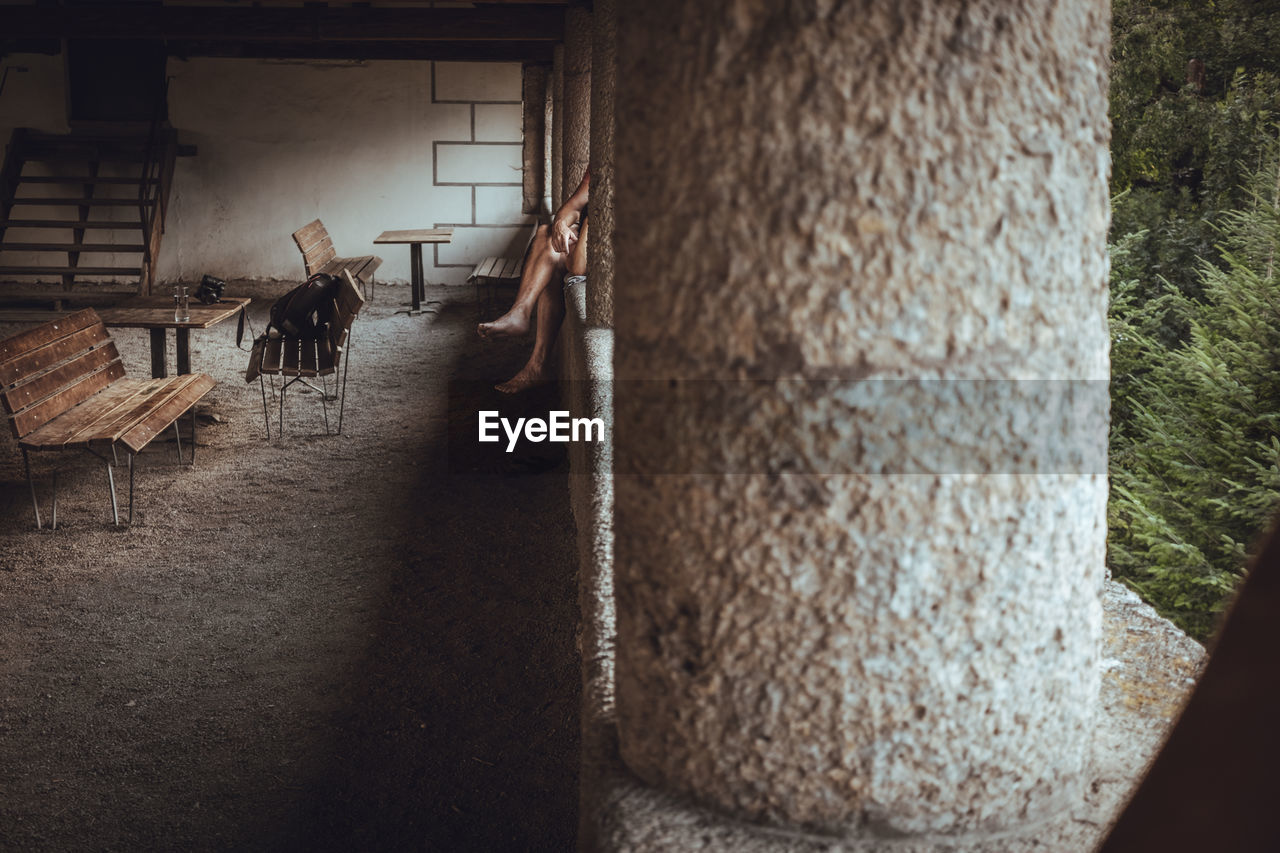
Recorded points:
(415, 237)
(155, 313)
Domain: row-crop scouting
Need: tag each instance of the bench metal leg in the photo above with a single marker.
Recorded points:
(177, 436)
(193, 435)
(53, 523)
(111, 483)
(35, 505)
(130, 488)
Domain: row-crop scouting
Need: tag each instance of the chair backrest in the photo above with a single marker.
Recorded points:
(57, 365)
(316, 247)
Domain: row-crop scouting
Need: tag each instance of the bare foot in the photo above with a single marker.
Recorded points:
(512, 324)
(530, 376)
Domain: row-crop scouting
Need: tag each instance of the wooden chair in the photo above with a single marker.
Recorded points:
(302, 359)
(64, 388)
(318, 255)
(495, 272)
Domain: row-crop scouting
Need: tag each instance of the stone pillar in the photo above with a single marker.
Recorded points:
(535, 134)
(577, 96)
(852, 607)
(557, 127)
(600, 257)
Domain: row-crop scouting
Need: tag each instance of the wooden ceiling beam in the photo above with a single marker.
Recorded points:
(444, 51)
(285, 25)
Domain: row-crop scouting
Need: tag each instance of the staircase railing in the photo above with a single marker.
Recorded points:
(153, 186)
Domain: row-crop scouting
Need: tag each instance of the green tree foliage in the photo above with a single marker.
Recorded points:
(1195, 444)
(1194, 87)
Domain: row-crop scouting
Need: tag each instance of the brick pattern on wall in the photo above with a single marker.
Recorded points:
(487, 158)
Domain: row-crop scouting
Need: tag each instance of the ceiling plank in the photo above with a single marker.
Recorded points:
(284, 25)
(444, 51)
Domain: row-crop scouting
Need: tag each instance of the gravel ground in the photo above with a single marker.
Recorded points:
(355, 642)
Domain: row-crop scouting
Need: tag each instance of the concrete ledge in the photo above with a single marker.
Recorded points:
(586, 373)
(1149, 667)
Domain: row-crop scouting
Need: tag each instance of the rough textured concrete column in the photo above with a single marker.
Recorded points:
(603, 75)
(840, 607)
(557, 127)
(577, 96)
(535, 136)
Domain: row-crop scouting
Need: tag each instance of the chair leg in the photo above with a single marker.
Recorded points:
(324, 405)
(111, 484)
(35, 505)
(266, 419)
(345, 367)
(283, 387)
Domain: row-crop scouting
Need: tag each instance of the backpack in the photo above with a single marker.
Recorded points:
(301, 313)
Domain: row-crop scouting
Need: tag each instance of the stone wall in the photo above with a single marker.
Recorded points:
(364, 146)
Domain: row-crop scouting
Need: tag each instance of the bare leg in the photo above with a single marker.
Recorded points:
(535, 372)
(541, 264)
(576, 263)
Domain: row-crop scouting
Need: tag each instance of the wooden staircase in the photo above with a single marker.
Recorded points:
(82, 214)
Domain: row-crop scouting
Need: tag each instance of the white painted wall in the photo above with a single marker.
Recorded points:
(365, 147)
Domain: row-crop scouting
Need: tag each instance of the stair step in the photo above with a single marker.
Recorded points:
(80, 292)
(98, 224)
(70, 247)
(83, 154)
(70, 271)
(81, 136)
(80, 202)
(81, 179)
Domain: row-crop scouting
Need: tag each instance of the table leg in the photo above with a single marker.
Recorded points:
(157, 354)
(184, 350)
(415, 261)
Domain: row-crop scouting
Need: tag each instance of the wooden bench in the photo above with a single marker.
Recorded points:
(495, 272)
(63, 387)
(319, 256)
(299, 359)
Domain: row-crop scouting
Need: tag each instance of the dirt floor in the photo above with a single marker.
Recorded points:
(355, 642)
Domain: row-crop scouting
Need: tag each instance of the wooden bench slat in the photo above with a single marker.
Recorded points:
(485, 268)
(292, 348)
(271, 356)
(25, 342)
(59, 433)
(33, 390)
(315, 258)
(113, 422)
(325, 360)
(182, 396)
(52, 407)
(52, 354)
(307, 363)
(310, 234)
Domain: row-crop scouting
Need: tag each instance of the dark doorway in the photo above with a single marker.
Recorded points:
(115, 81)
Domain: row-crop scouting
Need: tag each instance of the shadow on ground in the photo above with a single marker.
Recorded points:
(356, 642)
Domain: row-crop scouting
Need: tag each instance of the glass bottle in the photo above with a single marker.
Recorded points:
(181, 305)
